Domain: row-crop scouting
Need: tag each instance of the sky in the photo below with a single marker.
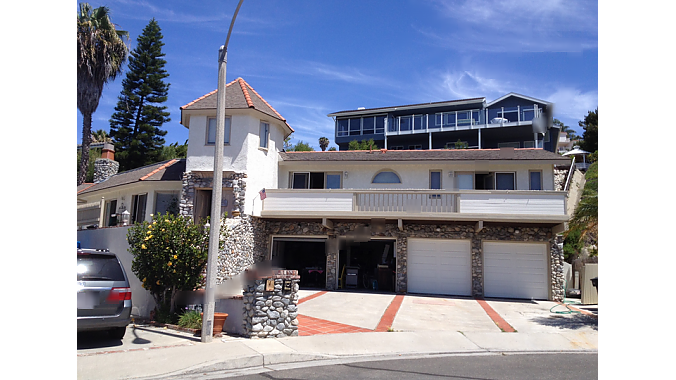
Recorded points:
(311, 58)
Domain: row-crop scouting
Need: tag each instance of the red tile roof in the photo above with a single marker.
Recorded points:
(246, 97)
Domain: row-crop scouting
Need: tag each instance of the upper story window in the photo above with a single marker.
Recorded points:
(505, 181)
(264, 134)
(535, 180)
(211, 131)
(316, 180)
(386, 177)
(358, 126)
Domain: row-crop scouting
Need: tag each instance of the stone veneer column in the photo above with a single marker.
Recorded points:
(193, 181)
(271, 314)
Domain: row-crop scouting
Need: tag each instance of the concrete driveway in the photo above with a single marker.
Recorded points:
(441, 313)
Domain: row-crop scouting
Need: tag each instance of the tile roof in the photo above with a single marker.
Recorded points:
(425, 155)
(236, 97)
(171, 170)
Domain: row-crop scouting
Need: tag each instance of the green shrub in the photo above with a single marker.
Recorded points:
(191, 320)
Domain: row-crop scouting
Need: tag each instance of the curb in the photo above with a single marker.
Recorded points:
(276, 362)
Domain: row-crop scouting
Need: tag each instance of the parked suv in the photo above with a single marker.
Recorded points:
(103, 293)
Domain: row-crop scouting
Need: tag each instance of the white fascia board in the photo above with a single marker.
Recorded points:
(531, 99)
(404, 108)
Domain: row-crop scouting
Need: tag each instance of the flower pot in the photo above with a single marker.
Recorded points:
(219, 322)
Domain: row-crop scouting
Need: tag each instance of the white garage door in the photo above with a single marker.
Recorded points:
(439, 266)
(515, 270)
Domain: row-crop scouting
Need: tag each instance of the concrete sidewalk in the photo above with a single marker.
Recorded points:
(419, 326)
(227, 354)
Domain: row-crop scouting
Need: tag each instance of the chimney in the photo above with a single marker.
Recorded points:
(106, 166)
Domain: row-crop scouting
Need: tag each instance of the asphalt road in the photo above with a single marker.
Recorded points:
(562, 366)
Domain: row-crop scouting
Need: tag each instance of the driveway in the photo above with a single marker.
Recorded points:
(386, 312)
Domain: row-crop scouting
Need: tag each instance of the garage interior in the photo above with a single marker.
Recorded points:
(369, 265)
(307, 256)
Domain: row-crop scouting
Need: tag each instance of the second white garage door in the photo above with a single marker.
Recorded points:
(515, 270)
(439, 266)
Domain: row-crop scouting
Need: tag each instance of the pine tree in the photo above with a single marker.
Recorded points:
(139, 114)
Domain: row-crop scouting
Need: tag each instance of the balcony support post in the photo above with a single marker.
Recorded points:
(327, 223)
(400, 224)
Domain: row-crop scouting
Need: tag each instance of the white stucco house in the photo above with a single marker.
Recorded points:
(464, 222)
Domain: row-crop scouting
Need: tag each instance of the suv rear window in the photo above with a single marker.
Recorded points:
(98, 268)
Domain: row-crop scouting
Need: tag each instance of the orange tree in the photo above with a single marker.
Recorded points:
(170, 255)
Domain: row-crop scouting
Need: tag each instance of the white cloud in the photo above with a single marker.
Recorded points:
(570, 103)
(517, 25)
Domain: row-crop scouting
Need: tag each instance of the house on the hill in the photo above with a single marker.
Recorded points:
(509, 121)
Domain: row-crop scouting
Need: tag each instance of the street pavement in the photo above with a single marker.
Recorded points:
(416, 326)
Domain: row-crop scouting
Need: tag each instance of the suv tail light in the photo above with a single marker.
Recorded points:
(119, 294)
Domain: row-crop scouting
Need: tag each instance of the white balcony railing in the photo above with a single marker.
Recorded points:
(392, 203)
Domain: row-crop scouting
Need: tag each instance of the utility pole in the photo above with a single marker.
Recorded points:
(217, 192)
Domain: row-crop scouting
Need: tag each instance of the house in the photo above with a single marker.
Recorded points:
(254, 134)
(509, 121)
(469, 222)
(141, 192)
(477, 222)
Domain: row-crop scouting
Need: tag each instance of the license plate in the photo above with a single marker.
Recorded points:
(86, 300)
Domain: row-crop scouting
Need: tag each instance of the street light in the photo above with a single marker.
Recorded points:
(217, 190)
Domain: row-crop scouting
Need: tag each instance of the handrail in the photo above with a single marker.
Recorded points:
(570, 174)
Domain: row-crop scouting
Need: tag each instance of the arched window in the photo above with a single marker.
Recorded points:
(386, 177)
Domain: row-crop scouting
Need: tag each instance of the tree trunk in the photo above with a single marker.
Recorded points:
(86, 142)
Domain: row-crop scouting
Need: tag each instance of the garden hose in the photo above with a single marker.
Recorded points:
(566, 302)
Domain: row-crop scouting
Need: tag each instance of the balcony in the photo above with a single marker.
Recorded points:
(468, 205)
(462, 120)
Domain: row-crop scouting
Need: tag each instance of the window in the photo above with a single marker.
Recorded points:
(166, 203)
(316, 180)
(405, 123)
(464, 181)
(386, 177)
(509, 144)
(504, 181)
(397, 147)
(367, 126)
(138, 208)
(211, 131)
(529, 144)
(111, 210)
(380, 124)
(300, 180)
(355, 126)
(333, 180)
(535, 180)
(265, 134)
(435, 183)
(419, 122)
(415, 147)
(342, 127)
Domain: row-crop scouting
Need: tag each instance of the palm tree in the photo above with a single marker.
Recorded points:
(323, 143)
(101, 136)
(101, 52)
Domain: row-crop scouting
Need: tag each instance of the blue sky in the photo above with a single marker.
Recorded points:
(311, 58)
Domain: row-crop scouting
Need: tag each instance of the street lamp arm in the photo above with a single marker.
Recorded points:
(227, 39)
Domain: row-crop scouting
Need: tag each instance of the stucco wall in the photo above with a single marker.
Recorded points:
(115, 240)
(415, 176)
(243, 154)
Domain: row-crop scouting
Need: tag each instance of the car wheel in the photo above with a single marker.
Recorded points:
(118, 332)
